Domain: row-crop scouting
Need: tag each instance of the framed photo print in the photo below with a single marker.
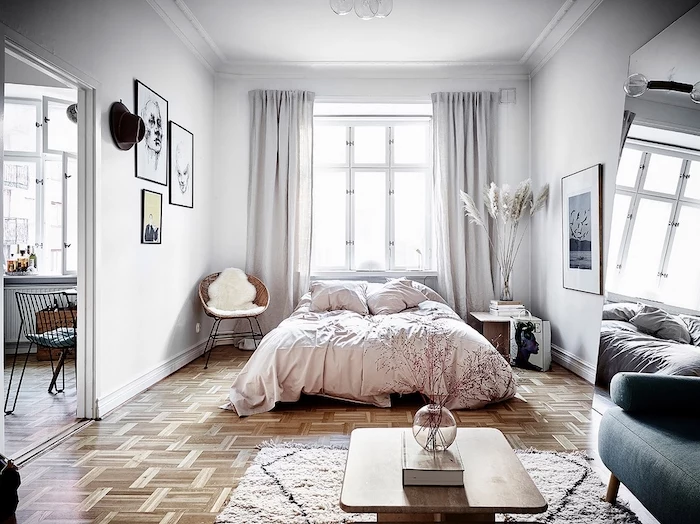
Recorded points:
(181, 166)
(152, 151)
(582, 245)
(151, 217)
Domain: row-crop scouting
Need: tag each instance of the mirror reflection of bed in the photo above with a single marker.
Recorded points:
(651, 316)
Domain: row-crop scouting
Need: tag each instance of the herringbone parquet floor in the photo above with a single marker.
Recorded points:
(171, 455)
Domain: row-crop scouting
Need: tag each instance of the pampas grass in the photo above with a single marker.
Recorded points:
(506, 208)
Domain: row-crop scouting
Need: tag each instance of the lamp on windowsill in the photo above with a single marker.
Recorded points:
(637, 84)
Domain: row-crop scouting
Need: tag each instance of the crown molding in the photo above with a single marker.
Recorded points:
(178, 17)
(375, 70)
(574, 16)
(553, 23)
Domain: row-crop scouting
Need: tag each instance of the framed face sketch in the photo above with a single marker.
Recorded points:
(151, 216)
(582, 246)
(181, 166)
(151, 152)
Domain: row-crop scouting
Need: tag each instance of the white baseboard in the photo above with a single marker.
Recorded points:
(574, 364)
(115, 399)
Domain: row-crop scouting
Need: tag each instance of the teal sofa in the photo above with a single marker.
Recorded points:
(651, 443)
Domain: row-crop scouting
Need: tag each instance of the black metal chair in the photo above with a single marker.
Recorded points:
(47, 320)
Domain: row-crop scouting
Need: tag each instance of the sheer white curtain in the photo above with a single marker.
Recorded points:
(279, 197)
(464, 134)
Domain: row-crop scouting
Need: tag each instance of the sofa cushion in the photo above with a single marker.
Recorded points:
(661, 324)
(657, 458)
(623, 311)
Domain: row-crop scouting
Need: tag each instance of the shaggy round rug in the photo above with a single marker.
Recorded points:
(294, 484)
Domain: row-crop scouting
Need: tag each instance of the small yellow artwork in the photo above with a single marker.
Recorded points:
(151, 216)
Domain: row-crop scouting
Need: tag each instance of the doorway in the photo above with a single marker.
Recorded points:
(48, 166)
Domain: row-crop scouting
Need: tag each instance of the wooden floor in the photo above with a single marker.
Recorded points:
(39, 415)
(172, 456)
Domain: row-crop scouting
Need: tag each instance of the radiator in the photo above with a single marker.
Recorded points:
(12, 319)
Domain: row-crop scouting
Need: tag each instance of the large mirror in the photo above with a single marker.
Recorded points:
(651, 317)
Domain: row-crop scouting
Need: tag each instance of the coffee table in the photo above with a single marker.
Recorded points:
(495, 481)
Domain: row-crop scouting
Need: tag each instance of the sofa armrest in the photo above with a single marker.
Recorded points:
(651, 393)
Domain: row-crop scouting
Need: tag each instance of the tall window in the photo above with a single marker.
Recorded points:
(40, 183)
(655, 234)
(372, 194)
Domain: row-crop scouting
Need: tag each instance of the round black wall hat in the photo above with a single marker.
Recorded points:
(127, 129)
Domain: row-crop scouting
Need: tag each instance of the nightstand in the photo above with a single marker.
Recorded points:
(495, 328)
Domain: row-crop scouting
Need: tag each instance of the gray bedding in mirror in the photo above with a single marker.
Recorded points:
(624, 348)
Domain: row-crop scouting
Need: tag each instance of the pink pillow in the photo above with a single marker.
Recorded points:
(333, 295)
(394, 297)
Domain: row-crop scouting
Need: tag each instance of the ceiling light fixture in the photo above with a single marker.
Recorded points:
(364, 9)
(637, 84)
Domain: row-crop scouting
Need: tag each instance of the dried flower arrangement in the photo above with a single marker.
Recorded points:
(506, 208)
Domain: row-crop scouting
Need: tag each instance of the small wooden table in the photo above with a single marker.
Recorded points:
(495, 481)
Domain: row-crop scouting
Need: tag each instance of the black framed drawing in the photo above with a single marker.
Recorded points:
(181, 165)
(582, 230)
(151, 217)
(151, 152)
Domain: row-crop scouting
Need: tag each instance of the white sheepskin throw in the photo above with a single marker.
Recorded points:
(231, 291)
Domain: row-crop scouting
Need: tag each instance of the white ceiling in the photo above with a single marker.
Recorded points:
(674, 54)
(250, 36)
(416, 31)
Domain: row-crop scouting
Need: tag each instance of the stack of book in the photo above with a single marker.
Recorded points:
(506, 308)
(425, 468)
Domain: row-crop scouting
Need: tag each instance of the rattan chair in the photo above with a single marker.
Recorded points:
(262, 299)
(47, 320)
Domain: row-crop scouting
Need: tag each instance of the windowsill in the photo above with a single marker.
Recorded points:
(16, 280)
(374, 274)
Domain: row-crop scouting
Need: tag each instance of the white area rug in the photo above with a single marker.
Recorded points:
(293, 484)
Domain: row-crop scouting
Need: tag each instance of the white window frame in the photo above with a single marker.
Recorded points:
(637, 193)
(390, 168)
(39, 157)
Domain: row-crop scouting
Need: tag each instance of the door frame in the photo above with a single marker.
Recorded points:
(89, 136)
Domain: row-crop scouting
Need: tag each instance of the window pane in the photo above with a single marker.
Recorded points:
(628, 169)
(370, 145)
(409, 220)
(62, 134)
(663, 174)
(19, 201)
(72, 215)
(411, 144)
(330, 145)
(53, 218)
(682, 287)
(370, 220)
(329, 216)
(639, 277)
(621, 206)
(20, 132)
(692, 186)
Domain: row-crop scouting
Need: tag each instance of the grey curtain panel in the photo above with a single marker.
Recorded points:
(627, 119)
(279, 197)
(464, 134)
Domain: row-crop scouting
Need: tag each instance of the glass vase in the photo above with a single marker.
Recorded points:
(506, 293)
(434, 428)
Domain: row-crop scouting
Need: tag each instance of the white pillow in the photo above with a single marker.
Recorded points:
(427, 291)
(394, 297)
(333, 295)
(231, 291)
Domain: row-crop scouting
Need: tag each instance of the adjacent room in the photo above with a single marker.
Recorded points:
(324, 261)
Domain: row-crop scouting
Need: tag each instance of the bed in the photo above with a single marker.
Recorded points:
(629, 345)
(365, 358)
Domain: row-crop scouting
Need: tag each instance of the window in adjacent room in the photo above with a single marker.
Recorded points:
(372, 194)
(40, 183)
(655, 233)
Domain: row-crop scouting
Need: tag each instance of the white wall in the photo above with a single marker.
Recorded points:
(577, 105)
(18, 72)
(232, 130)
(665, 115)
(146, 302)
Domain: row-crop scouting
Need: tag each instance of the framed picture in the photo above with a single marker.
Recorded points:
(152, 151)
(582, 221)
(181, 166)
(151, 217)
